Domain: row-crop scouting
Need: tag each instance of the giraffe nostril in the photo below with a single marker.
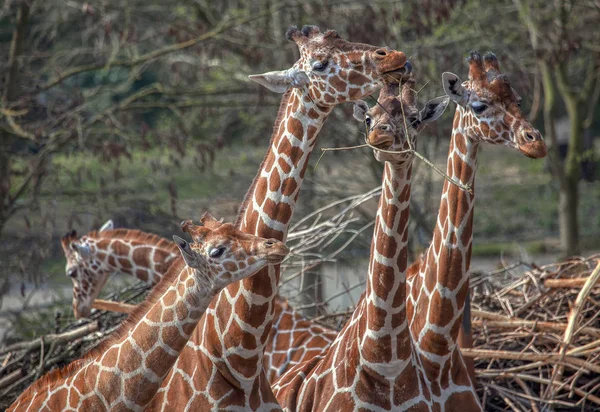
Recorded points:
(530, 137)
(381, 52)
(384, 127)
(269, 243)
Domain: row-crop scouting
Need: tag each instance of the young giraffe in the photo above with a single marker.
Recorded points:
(94, 257)
(125, 371)
(371, 364)
(487, 111)
(222, 366)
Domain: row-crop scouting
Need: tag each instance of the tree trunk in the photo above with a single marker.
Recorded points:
(567, 212)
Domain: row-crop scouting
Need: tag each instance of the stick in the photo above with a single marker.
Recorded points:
(119, 307)
(541, 326)
(567, 283)
(58, 338)
(10, 378)
(546, 357)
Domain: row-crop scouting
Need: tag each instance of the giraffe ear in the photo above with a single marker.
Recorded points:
(281, 81)
(454, 88)
(360, 110)
(191, 258)
(83, 250)
(108, 225)
(434, 109)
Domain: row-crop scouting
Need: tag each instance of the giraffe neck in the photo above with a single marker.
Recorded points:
(147, 257)
(242, 314)
(126, 371)
(147, 352)
(438, 295)
(386, 341)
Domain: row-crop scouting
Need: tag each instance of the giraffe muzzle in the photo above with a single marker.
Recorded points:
(391, 62)
(276, 251)
(531, 144)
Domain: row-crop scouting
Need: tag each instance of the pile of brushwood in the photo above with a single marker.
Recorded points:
(536, 338)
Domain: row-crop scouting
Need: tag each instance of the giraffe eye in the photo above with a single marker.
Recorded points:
(216, 252)
(368, 121)
(319, 66)
(72, 272)
(414, 122)
(478, 107)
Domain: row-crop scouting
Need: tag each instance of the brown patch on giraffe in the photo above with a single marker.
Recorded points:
(244, 366)
(289, 186)
(386, 246)
(338, 84)
(452, 261)
(377, 350)
(357, 79)
(167, 315)
(260, 192)
(372, 383)
(281, 212)
(406, 386)
(101, 256)
(241, 306)
(461, 400)
(382, 275)
(266, 232)
(159, 357)
(419, 321)
(112, 261)
(108, 386)
(275, 181)
(445, 375)
(141, 256)
(295, 127)
(200, 402)
(91, 404)
(442, 313)
(120, 248)
(284, 166)
(230, 266)
(109, 359)
(431, 265)
(73, 399)
(170, 333)
(467, 232)
(312, 113)
(181, 312)
(329, 98)
(140, 390)
(296, 153)
(160, 255)
(460, 375)
(435, 343)
(142, 274)
(125, 263)
(131, 362)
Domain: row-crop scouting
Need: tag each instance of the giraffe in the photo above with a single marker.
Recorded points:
(94, 257)
(371, 364)
(487, 111)
(222, 366)
(125, 371)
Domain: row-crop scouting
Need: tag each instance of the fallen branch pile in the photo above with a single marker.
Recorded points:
(537, 336)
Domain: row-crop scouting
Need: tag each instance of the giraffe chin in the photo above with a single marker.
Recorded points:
(534, 150)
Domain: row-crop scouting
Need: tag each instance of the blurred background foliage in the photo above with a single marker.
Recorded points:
(141, 111)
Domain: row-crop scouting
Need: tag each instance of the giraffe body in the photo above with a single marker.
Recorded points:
(94, 257)
(125, 372)
(222, 365)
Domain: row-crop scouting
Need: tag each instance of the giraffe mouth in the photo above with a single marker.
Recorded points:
(397, 75)
(276, 256)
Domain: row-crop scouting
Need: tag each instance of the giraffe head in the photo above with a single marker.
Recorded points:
(332, 70)
(394, 122)
(87, 272)
(222, 254)
(489, 107)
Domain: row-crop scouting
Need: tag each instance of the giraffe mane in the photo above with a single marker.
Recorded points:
(133, 318)
(280, 116)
